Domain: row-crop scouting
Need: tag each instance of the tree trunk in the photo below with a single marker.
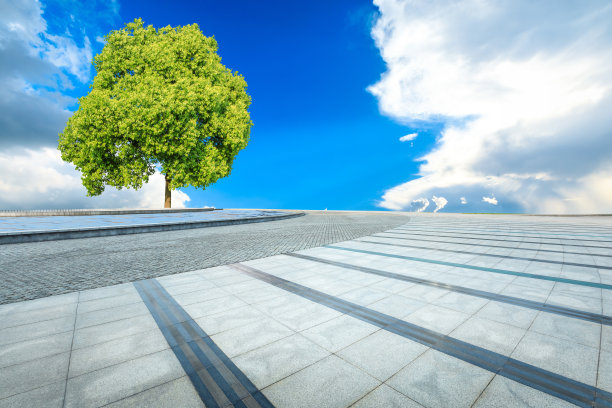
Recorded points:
(168, 198)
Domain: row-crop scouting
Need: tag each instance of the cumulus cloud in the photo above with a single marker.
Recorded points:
(40, 179)
(490, 200)
(519, 101)
(463, 200)
(418, 205)
(440, 203)
(409, 137)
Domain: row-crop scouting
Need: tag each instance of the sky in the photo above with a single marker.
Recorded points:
(450, 106)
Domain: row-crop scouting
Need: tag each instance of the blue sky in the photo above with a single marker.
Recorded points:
(334, 86)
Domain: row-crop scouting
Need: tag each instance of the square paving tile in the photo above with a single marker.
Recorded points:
(275, 361)
(20, 352)
(27, 376)
(48, 396)
(119, 381)
(32, 331)
(438, 380)
(604, 378)
(503, 392)
(229, 319)
(509, 314)
(439, 319)
(386, 397)
(340, 332)
(382, 354)
(563, 327)
(563, 357)
(170, 394)
(330, 383)
(397, 306)
(246, 338)
(491, 335)
(101, 355)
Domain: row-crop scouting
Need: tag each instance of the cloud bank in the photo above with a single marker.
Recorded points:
(524, 90)
(57, 185)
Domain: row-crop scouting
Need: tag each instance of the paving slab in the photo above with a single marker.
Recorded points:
(300, 332)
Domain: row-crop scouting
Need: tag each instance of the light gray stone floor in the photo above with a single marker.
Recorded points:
(102, 347)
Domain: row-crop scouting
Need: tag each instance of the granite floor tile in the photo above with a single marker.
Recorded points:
(101, 355)
(119, 381)
(488, 334)
(461, 303)
(563, 357)
(508, 314)
(108, 302)
(604, 376)
(246, 338)
(386, 397)
(36, 330)
(330, 383)
(20, 378)
(382, 354)
(563, 327)
(36, 304)
(20, 352)
(48, 396)
(340, 332)
(364, 296)
(424, 293)
(170, 394)
(107, 291)
(38, 315)
(208, 307)
(437, 318)
(397, 306)
(275, 361)
(110, 315)
(437, 380)
(101, 333)
(229, 319)
(305, 317)
(503, 392)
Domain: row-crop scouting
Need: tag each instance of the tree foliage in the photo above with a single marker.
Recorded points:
(161, 97)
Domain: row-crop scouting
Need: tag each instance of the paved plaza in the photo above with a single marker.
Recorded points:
(325, 310)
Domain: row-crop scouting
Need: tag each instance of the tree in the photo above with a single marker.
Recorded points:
(160, 98)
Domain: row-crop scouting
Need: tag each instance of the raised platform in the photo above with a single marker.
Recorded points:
(74, 212)
(14, 230)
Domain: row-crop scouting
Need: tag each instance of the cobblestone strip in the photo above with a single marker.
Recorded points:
(40, 269)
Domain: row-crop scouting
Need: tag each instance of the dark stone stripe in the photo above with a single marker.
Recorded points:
(380, 235)
(457, 251)
(559, 310)
(216, 378)
(463, 236)
(497, 234)
(575, 392)
(477, 268)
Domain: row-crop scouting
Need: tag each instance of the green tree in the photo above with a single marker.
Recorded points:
(160, 98)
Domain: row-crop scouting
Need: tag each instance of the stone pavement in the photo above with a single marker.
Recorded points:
(443, 311)
(39, 269)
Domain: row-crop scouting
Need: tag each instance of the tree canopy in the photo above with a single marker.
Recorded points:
(160, 98)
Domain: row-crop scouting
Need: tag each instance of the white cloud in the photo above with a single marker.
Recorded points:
(418, 205)
(37, 179)
(463, 200)
(520, 101)
(490, 200)
(440, 203)
(409, 137)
